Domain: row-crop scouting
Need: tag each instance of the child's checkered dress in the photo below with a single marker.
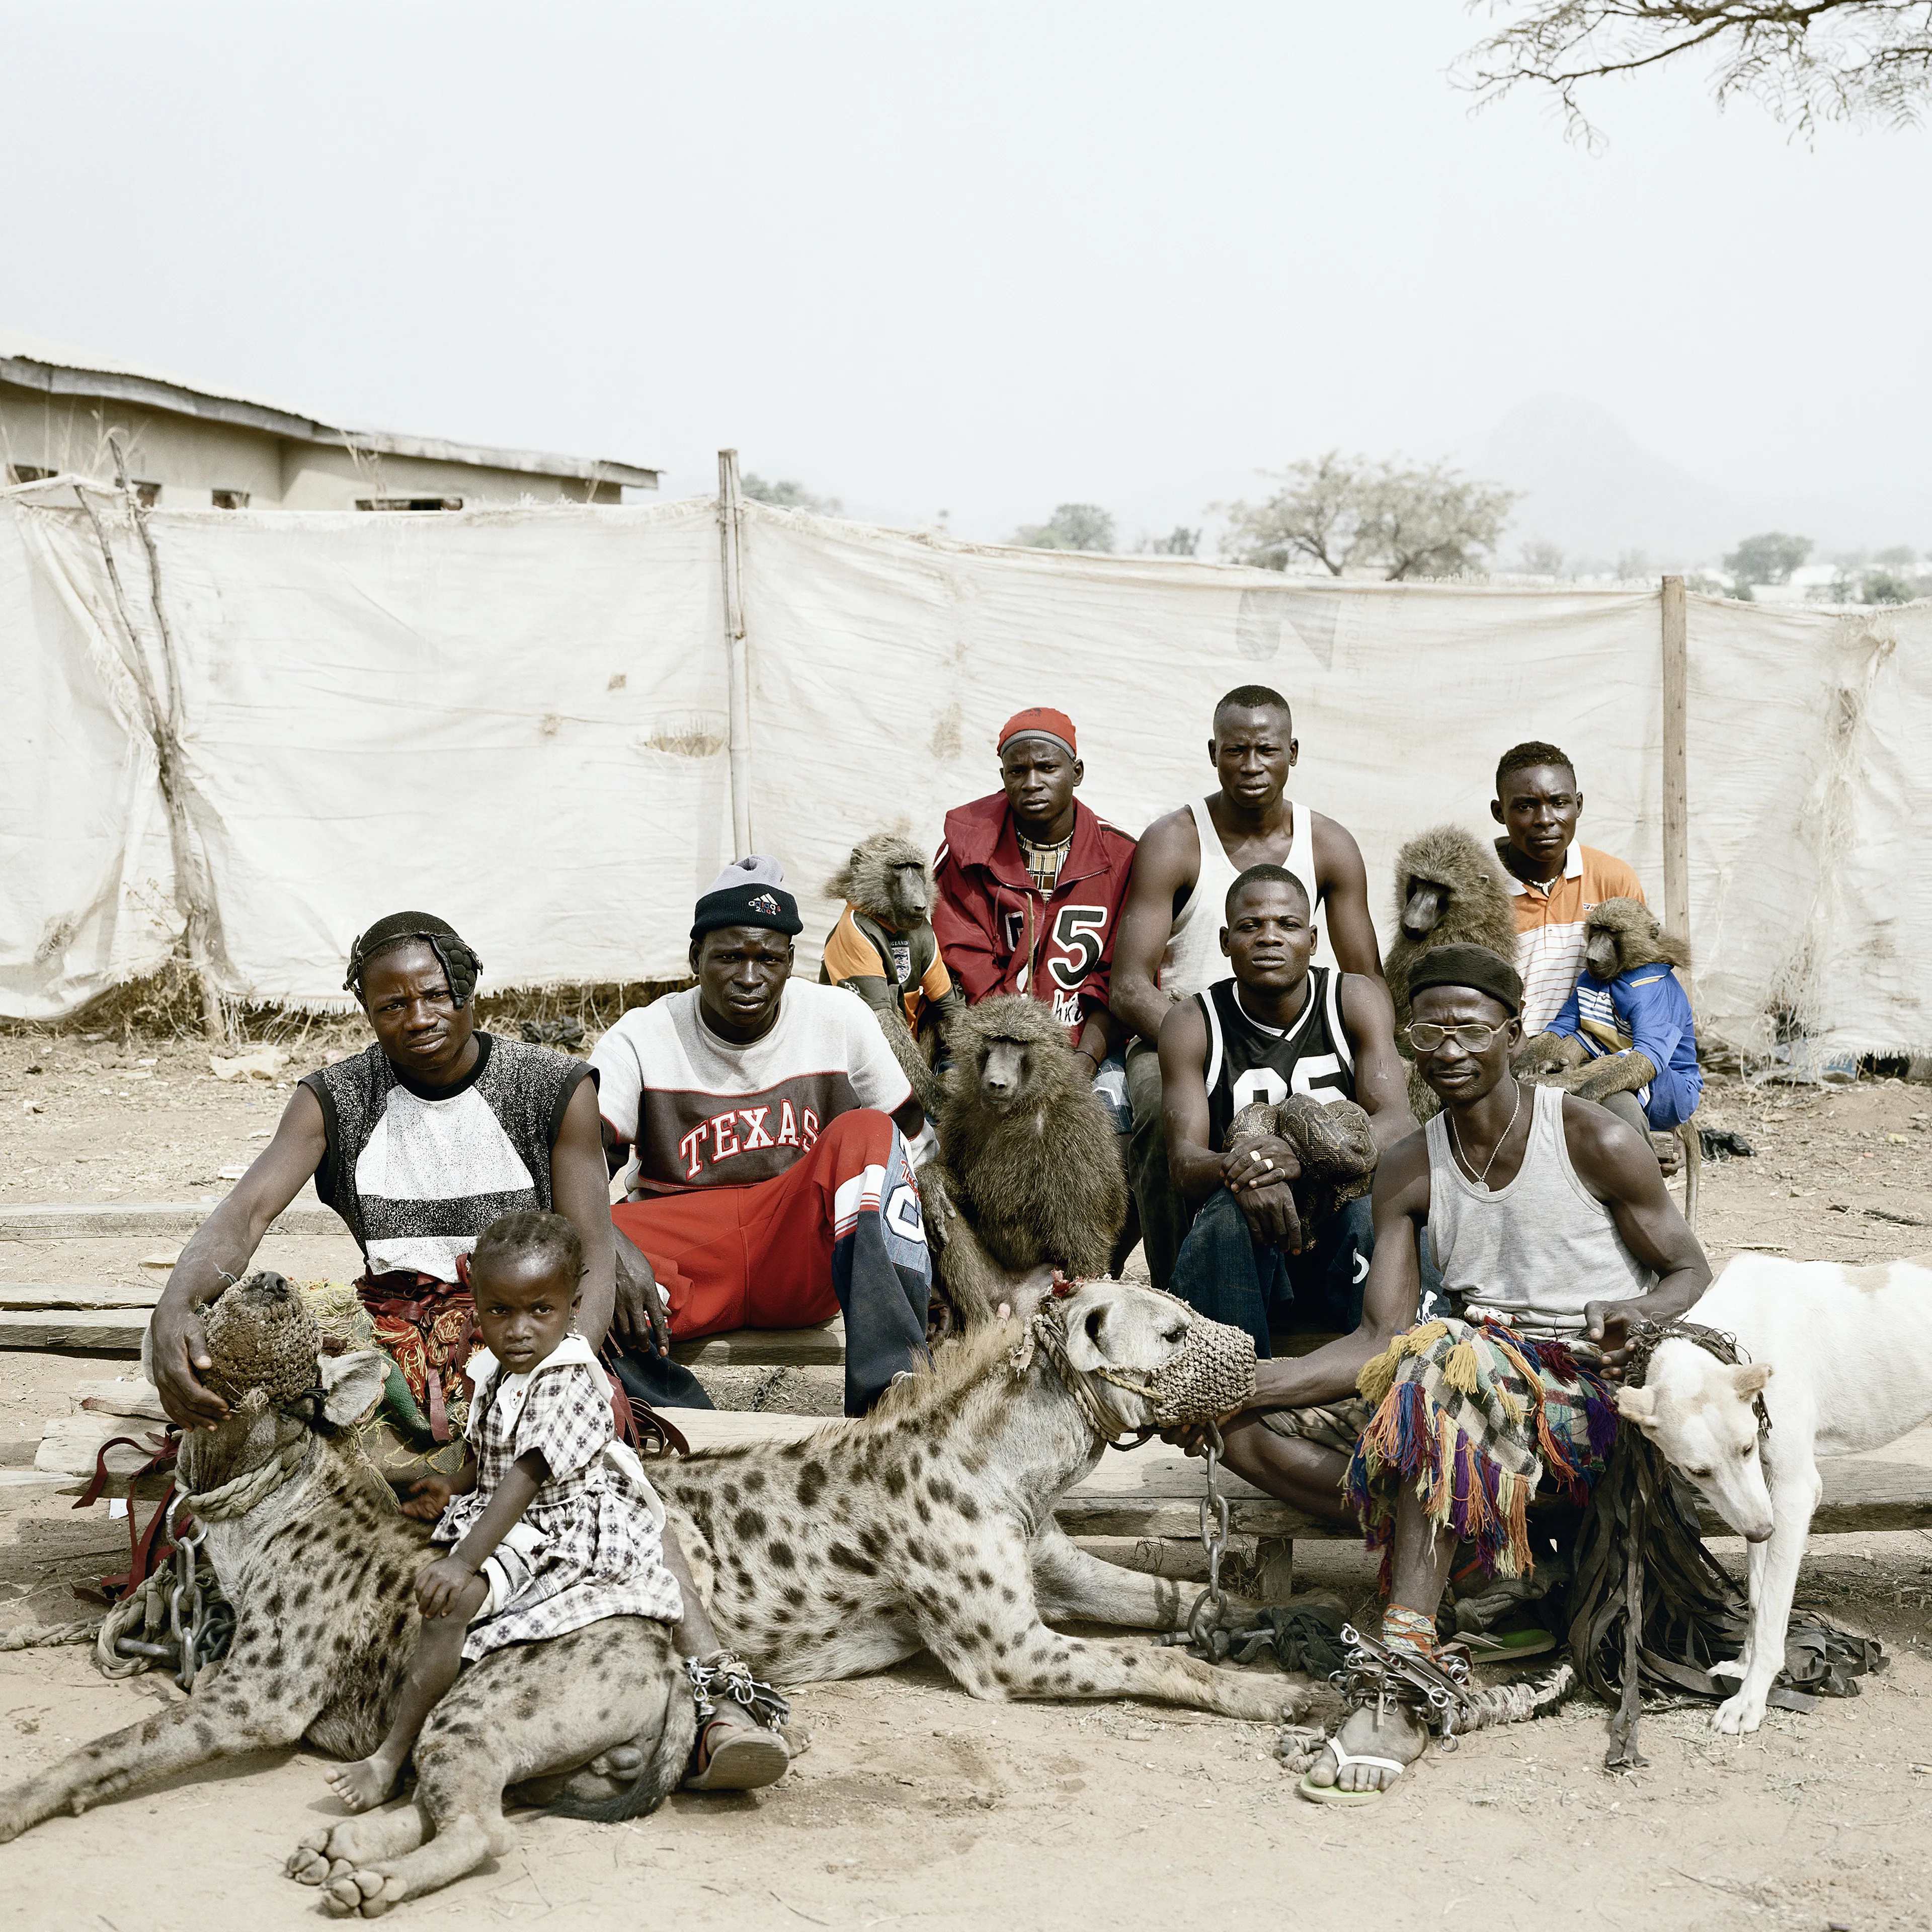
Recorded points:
(588, 1547)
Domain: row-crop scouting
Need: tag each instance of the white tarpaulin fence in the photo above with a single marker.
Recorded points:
(519, 719)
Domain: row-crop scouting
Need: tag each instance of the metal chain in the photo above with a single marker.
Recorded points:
(1435, 1692)
(184, 1609)
(1207, 1621)
(723, 1675)
(200, 1624)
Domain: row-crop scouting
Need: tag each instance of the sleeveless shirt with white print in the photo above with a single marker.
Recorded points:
(1248, 1062)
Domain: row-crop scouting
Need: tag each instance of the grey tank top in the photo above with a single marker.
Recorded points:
(1535, 1253)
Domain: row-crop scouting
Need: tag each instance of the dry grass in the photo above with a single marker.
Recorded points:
(167, 1005)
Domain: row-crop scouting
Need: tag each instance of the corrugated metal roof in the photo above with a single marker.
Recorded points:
(30, 362)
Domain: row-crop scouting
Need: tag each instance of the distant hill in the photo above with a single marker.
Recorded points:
(1593, 489)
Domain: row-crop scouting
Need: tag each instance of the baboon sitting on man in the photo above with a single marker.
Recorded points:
(1028, 1173)
(883, 949)
(1625, 1037)
(1449, 891)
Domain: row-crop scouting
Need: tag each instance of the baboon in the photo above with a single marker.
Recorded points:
(1449, 890)
(883, 949)
(1620, 937)
(1028, 1172)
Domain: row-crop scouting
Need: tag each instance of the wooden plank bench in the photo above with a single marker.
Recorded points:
(96, 1318)
(109, 1318)
(1154, 1492)
(59, 1221)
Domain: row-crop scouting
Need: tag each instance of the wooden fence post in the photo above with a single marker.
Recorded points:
(1676, 763)
(730, 522)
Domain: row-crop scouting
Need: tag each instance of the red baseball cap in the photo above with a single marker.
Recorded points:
(1040, 721)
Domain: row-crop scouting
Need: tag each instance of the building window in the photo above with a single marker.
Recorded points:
(409, 502)
(230, 499)
(27, 473)
(147, 494)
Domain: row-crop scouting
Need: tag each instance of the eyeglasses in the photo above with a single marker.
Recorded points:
(1472, 1037)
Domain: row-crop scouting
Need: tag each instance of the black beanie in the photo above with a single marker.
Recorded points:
(751, 904)
(1474, 966)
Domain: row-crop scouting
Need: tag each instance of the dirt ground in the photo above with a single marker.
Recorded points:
(916, 1805)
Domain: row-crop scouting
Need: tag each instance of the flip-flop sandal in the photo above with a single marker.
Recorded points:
(1332, 1794)
(1505, 1646)
(744, 1759)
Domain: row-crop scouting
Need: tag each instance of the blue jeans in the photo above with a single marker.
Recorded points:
(1221, 1272)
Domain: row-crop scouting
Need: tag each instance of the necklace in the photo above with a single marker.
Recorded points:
(1482, 1180)
(1043, 863)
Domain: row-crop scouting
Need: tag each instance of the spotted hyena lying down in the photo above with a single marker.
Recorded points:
(929, 1524)
(321, 1570)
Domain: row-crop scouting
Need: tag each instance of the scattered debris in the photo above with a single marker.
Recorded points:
(258, 1063)
(566, 1032)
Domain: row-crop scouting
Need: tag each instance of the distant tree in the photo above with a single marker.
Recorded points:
(1348, 513)
(1768, 558)
(1541, 558)
(1900, 557)
(789, 496)
(1881, 586)
(1635, 563)
(1071, 526)
(1804, 61)
(1180, 542)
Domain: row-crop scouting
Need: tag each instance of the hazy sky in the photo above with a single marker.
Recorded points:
(981, 257)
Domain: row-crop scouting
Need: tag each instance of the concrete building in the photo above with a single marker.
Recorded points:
(190, 448)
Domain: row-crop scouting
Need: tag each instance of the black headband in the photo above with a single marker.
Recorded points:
(460, 965)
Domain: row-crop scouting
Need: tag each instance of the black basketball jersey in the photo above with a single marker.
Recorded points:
(1248, 1063)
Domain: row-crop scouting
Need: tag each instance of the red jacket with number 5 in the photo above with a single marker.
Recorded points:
(999, 935)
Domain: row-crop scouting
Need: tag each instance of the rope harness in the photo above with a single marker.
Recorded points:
(1211, 1373)
(240, 1494)
(171, 1610)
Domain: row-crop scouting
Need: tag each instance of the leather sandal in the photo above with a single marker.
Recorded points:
(735, 1754)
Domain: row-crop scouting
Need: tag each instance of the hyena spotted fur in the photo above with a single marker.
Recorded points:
(322, 1574)
(929, 1525)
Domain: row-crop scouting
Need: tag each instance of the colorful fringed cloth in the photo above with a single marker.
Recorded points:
(428, 1339)
(1475, 1416)
(427, 1329)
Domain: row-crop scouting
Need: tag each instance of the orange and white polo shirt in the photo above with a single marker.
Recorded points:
(1549, 924)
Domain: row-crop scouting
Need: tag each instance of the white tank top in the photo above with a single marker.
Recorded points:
(1194, 960)
(1535, 1253)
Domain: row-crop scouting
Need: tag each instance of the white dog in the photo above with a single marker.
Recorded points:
(1852, 1350)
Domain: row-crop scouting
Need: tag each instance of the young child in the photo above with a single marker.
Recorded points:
(553, 1523)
